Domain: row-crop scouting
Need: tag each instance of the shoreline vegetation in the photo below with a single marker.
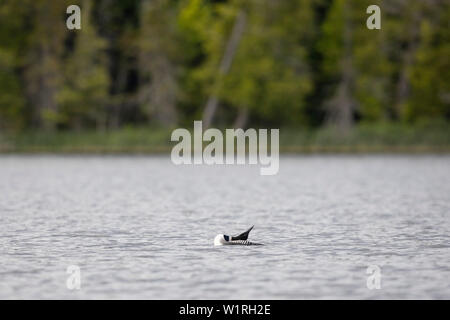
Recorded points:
(363, 138)
(139, 69)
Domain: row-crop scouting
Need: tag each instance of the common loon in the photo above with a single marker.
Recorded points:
(224, 240)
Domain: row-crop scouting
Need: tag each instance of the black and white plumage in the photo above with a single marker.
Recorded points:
(241, 239)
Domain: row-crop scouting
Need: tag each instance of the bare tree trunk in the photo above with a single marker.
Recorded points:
(241, 119)
(42, 74)
(403, 84)
(160, 93)
(340, 108)
(163, 91)
(227, 60)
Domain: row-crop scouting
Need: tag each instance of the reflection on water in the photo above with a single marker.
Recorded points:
(140, 227)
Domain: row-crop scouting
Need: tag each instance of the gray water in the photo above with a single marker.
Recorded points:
(141, 227)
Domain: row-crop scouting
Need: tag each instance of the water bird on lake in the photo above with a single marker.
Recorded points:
(224, 240)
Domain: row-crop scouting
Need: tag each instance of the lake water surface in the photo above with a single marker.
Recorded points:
(141, 227)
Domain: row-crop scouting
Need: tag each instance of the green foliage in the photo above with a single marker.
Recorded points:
(331, 40)
(298, 63)
(374, 68)
(11, 101)
(430, 76)
(84, 96)
(269, 74)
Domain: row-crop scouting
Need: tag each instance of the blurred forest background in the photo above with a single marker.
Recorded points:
(139, 68)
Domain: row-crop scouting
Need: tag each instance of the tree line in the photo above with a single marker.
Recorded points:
(234, 63)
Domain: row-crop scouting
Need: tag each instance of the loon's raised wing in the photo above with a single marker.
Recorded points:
(242, 236)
